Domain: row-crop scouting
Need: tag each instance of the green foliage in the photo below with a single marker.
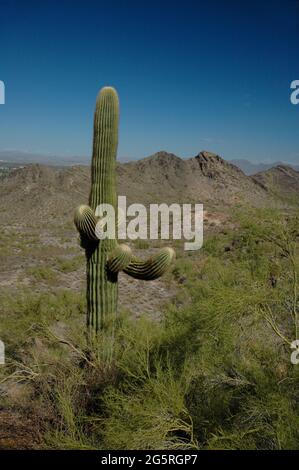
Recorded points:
(70, 264)
(214, 373)
(22, 315)
(41, 273)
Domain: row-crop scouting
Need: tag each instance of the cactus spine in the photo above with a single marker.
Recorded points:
(105, 258)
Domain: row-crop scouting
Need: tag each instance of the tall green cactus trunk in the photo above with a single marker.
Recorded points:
(101, 284)
(105, 257)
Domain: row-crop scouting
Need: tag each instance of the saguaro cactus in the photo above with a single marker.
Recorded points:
(105, 258)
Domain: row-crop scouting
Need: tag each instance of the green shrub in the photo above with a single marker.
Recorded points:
(41, 273)
(214, 373)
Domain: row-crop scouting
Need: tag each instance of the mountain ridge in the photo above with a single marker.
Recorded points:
(11, 157)
(282, 180)
(44, 193)
(251, 168)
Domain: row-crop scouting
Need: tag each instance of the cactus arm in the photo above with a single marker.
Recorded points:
(120, 258)
(85, 222)
(152, 268)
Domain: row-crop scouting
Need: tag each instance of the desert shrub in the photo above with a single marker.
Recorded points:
(41, 273)
(214, 373)
(22, 315)
(69, 265)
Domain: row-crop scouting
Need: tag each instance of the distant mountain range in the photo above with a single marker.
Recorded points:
(11, 157)
(250, 168)
(38, 193)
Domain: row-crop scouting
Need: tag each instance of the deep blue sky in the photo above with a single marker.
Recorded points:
(191, 75)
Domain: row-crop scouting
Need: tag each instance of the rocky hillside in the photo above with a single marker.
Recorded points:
(251, 168)
(281, 180)
(40, 194)
(205, 178)
(39, 249)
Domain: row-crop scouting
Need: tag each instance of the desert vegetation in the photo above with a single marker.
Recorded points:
(213, 372)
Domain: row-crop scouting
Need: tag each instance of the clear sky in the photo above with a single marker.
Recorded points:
(191, 75)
